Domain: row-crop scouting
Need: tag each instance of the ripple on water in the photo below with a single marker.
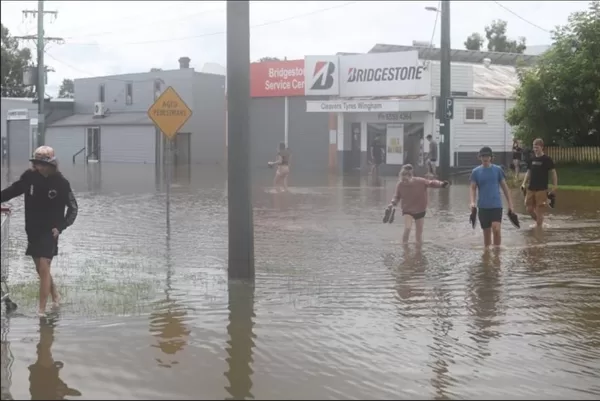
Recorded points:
(340, 309)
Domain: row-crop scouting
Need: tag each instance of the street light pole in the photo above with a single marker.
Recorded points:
(445, 91)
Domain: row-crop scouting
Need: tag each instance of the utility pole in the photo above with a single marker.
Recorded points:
(40, 42)
(239, 197)
(445, 91)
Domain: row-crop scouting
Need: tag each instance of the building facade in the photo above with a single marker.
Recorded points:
(110, 122)
(19, 120)
(391, 92)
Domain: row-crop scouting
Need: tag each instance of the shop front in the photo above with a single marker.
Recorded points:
(381, 98)
(400, 127)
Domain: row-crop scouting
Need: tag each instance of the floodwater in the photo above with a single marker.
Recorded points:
(339, 310)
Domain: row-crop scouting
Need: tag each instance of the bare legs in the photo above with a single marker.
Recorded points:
(47, 287)
(537, 214)
(419, 225)
(495, 233)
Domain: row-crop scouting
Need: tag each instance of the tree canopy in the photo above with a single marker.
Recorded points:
(67, 89)
(558, 100)
(13, 62)
(265, 59)
(497, 41)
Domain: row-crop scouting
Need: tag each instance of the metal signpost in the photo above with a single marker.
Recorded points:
(169, 113)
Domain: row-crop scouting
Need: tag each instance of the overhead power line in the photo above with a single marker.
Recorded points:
(203, 35)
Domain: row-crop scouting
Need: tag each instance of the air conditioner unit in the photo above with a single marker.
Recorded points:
(99, 109)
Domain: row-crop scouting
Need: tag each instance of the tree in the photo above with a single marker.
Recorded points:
(14, 61)
(474, 42)
(67, 89)
(559, 99)
(497, 41)
(265, 59)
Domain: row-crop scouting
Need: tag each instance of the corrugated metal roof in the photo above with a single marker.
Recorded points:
(495, 81)
(139, 118)
(459, 55)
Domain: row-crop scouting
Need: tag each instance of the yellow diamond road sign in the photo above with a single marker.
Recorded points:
(169, 112)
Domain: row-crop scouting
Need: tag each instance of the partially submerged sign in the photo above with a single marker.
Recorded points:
(169, 113)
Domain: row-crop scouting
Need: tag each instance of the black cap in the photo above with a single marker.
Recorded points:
(486, 151)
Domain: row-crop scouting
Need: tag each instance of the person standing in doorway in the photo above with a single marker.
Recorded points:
(377, 150)
(517, 155)
(283, 168)
(535, 183)
(486, 182)
(47, 194)
(432, 156)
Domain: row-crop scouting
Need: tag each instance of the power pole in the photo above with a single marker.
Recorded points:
(445, 91)
(40, 42)
(239, 196)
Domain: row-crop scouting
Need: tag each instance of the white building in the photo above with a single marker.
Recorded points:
(403, 109)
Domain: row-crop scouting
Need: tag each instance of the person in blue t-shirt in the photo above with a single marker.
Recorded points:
(486, 182)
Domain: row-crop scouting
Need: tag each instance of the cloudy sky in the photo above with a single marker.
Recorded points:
(110, 37)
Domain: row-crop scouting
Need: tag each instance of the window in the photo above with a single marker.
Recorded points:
(129, 93)
(101, 93)
(474, 114)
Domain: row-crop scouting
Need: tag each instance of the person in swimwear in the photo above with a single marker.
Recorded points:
(283, 168)
(411, 192)
(47, 194)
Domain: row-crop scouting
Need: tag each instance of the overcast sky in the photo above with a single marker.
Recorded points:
(113, 37)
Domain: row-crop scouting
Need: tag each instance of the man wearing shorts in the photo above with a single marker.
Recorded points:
(535, 183)
(486, 182)
(432, 155)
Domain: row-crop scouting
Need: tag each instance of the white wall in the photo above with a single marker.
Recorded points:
(118, 144)
(493, 131)
(66, 141)
(461, 79)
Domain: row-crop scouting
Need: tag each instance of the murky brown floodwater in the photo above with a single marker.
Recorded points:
(340, 310)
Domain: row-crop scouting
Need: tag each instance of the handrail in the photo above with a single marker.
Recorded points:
(95, 152)
(78, 152)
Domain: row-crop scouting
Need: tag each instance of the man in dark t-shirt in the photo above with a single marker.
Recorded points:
(535, 184)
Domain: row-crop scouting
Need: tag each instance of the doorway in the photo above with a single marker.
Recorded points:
(182, 155)
(413, 138)
(355, 148)
(18, 141)
(376, 131)
(92, 144)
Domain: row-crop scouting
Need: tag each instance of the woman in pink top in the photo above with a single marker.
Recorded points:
(411, 192)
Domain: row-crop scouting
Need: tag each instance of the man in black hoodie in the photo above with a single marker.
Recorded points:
(47, 194)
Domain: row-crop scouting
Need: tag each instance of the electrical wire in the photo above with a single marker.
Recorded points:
(178, 19)
(521, 18)
(219, 32)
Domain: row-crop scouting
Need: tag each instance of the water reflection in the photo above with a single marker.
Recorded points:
(241, 340)
(44, 380)
(6, 360)
(167, 322)
(409, 271)
(485, 290)
(441, 349)
(94, 177)
(341, 324)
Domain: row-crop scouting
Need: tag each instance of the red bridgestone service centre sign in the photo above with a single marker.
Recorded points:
(277, 78)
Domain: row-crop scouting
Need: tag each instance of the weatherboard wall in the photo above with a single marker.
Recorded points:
(203, 93)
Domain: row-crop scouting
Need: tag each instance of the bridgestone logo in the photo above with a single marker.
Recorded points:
(384, 74)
